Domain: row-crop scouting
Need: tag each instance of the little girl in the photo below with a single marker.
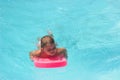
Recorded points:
(48, 49)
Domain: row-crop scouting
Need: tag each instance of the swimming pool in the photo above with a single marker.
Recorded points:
(90, 30)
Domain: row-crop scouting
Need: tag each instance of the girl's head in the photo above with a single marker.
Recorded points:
(48, 44)
(47, 41)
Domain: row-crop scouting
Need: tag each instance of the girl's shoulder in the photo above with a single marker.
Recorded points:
(61, 50)
(35, 51)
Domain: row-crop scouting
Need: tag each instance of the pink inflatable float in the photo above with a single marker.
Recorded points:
(50, 62)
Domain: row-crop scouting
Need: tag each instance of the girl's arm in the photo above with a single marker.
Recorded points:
(35, 53)
(63, 52)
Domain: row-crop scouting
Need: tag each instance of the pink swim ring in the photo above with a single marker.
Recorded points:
(50, 62)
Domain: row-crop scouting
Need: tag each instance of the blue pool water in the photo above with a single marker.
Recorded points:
(88, 29)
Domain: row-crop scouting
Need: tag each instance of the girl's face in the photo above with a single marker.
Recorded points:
(48, 45)
(50, 49)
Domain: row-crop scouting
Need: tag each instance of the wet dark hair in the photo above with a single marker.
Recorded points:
(46, 40)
